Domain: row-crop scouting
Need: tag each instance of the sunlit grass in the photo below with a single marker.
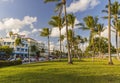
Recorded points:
(85, 71)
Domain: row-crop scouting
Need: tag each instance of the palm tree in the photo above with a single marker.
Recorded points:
(118, 36)
(91, 23)
(61, 39)
(57, 22)
(62, 3)
(70, 38)
(10, 33)
(100, 28)
(76, 42)
(46, 33)
(83, 41)
(71, 22)
(109, 33)
(18, 41)
(115, 11)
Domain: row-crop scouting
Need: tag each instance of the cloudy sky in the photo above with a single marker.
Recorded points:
(28, 17)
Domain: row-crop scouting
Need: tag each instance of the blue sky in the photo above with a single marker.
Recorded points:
(28, 17)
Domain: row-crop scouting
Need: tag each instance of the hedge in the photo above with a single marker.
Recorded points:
(10, 63)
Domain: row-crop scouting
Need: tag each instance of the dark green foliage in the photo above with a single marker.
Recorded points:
(33, 48)
(18, 41)
(10, 63)
(6, 49)
(103, 46)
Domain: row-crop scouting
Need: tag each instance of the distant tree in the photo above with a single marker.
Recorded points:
(8, 51)
(33, 48)
(46, 33)
(104, 46)
(100, 29)
(18, 41)
(57, 22)
(62, 4)
(10, 33)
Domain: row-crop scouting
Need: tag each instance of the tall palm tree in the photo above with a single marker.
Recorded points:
(57, 22)
(70, 38)
(114, 9)
(60, 4)
(91, 23)
(119, 34)
(71, 22)
(109, 32)
(46, 33)
(100, 28)
(114, 12)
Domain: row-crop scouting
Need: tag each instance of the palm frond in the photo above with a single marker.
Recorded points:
(59, 7)
(79, 24)
(105, 11)
(47, 1)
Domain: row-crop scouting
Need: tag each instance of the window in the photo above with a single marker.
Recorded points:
(8, 43)
(22, 49)
(26, 50)
(18, 49)
(4, 43)
(26, 45)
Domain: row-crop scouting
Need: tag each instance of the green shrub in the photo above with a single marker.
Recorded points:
(10, 63)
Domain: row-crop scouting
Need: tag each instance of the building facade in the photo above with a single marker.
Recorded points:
(27, 47)
(18, 50)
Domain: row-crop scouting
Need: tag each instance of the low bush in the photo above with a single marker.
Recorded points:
(10, 63)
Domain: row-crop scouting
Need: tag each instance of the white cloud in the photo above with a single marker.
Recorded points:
(12, 23)
(82, 5)
(34, 30)
(17, 25)
(6, 0)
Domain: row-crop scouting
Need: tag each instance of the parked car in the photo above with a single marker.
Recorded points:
(25, 59)
(42, 59)
(32, 59)
(12, 59)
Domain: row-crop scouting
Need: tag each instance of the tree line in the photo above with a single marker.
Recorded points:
(90, 23)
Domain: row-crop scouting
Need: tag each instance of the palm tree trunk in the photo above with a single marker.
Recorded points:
(99, 44)
(48, 46)
(93, 47)
(73, 42)
(79, 58)
(117, 45)
(116, 19)
(60, 44)
(68, 44)
(118, 42)
(109, 33)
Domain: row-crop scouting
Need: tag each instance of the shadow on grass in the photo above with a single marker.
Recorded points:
(49, 77)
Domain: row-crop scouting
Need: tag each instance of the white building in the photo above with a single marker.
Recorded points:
(20, 50)
(24, 48)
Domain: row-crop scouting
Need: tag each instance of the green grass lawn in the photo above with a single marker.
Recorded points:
(61, 72)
